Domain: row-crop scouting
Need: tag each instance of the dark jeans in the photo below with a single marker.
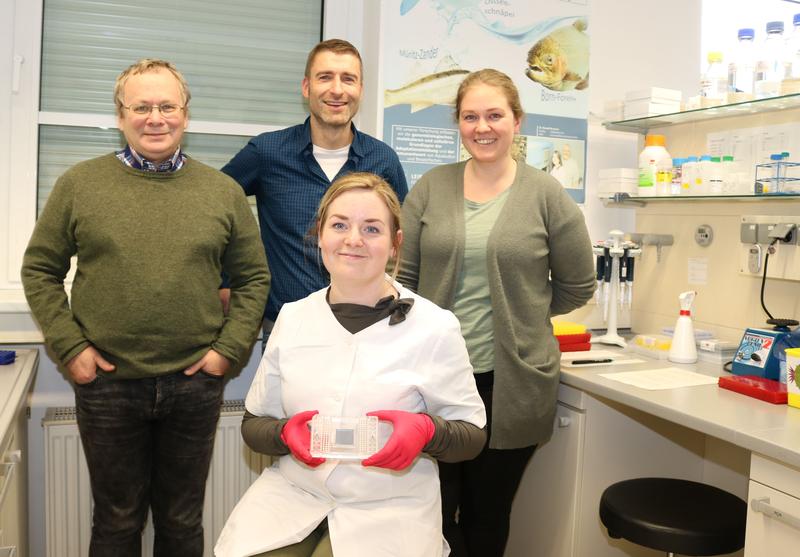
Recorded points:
(148, 443)
(477, 494)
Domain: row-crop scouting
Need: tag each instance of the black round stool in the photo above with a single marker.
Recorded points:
(676, 516)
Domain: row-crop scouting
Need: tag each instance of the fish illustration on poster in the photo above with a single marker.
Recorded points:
(430, 46)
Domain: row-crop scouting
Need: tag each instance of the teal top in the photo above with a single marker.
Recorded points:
(473, 303)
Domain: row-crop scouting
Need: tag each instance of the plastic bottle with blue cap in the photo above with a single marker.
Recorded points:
(771, 66)
(793, 50)
(741, 67)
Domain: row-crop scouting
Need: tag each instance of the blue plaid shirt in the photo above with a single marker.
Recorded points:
(279, 168)
(133, 159)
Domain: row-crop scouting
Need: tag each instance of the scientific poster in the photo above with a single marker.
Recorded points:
(429, 46)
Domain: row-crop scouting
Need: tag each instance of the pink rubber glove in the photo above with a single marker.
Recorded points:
(411, 433)
(297, 437)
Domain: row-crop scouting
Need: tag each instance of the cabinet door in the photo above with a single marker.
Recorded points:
(773, 528)
(543, 515)
(9, 496)
(14, 489)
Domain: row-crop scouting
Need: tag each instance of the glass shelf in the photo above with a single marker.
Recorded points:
(757, 106)
(624, 198)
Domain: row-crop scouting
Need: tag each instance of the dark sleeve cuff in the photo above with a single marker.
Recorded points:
(455, 440)
(263, 434)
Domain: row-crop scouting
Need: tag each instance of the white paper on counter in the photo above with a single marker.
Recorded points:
(658, 379)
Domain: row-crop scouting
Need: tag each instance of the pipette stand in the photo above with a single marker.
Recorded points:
(616, 250)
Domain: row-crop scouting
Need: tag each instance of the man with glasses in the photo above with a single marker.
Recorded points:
(144, 339)
(289, 170)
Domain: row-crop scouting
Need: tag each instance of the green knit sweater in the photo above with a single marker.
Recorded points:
(150, 249)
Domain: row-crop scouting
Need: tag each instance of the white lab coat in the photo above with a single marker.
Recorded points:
(313, 363)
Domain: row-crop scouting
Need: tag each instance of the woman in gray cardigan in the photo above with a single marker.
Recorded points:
(504, 247)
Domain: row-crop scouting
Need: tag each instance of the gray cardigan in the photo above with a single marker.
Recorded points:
(539, 262)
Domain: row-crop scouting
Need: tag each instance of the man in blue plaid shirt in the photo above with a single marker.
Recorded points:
(289, 170)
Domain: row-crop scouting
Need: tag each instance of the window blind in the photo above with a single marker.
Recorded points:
(243, 59)
(61, 147)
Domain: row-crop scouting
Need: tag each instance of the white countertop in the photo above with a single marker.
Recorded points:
(15, 381)
(769, 429)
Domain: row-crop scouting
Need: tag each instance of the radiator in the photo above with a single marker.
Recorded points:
(68, 496)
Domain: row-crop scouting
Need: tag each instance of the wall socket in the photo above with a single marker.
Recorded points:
(754, 235)
(704, 235)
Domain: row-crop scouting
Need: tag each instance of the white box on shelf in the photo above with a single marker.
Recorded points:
(613, 110)
(619, 173)
(656, 94)
(643, 108)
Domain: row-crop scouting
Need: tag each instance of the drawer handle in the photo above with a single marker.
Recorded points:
(7, 475)
(9, 551)
(761, 505)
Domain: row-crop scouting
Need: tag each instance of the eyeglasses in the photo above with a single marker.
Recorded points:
(166, 109)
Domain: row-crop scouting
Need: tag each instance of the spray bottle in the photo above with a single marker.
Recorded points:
(684, 347)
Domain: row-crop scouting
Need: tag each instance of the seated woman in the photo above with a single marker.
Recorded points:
(364, 345)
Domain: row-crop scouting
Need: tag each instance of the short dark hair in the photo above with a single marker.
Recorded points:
(337, 46)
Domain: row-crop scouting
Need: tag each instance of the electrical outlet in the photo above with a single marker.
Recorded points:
(784, 259)
(754, 259)
(748, 233)
(703, 235)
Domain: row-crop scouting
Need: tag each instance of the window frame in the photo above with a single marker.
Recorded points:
(19, 139)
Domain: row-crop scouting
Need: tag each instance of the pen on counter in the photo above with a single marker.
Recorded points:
(599, 361)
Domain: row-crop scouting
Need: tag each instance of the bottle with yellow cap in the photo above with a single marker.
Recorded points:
(714, 81)
(655, 167)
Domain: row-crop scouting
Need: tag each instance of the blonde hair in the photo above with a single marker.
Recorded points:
(493, 78)
(337, 46)
(369, 182)
(146, 65)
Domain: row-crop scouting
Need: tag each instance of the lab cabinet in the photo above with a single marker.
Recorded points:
(13, 489)
(544, 512)
(773, 511)
(15, 384)
(596, 442)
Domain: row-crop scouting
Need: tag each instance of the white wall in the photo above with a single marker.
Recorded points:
(636, 44)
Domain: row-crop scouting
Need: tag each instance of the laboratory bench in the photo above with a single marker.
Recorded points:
(606, 431)
(16, 380)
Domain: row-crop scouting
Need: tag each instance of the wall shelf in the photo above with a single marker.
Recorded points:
(625, 199)
(757, 106)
